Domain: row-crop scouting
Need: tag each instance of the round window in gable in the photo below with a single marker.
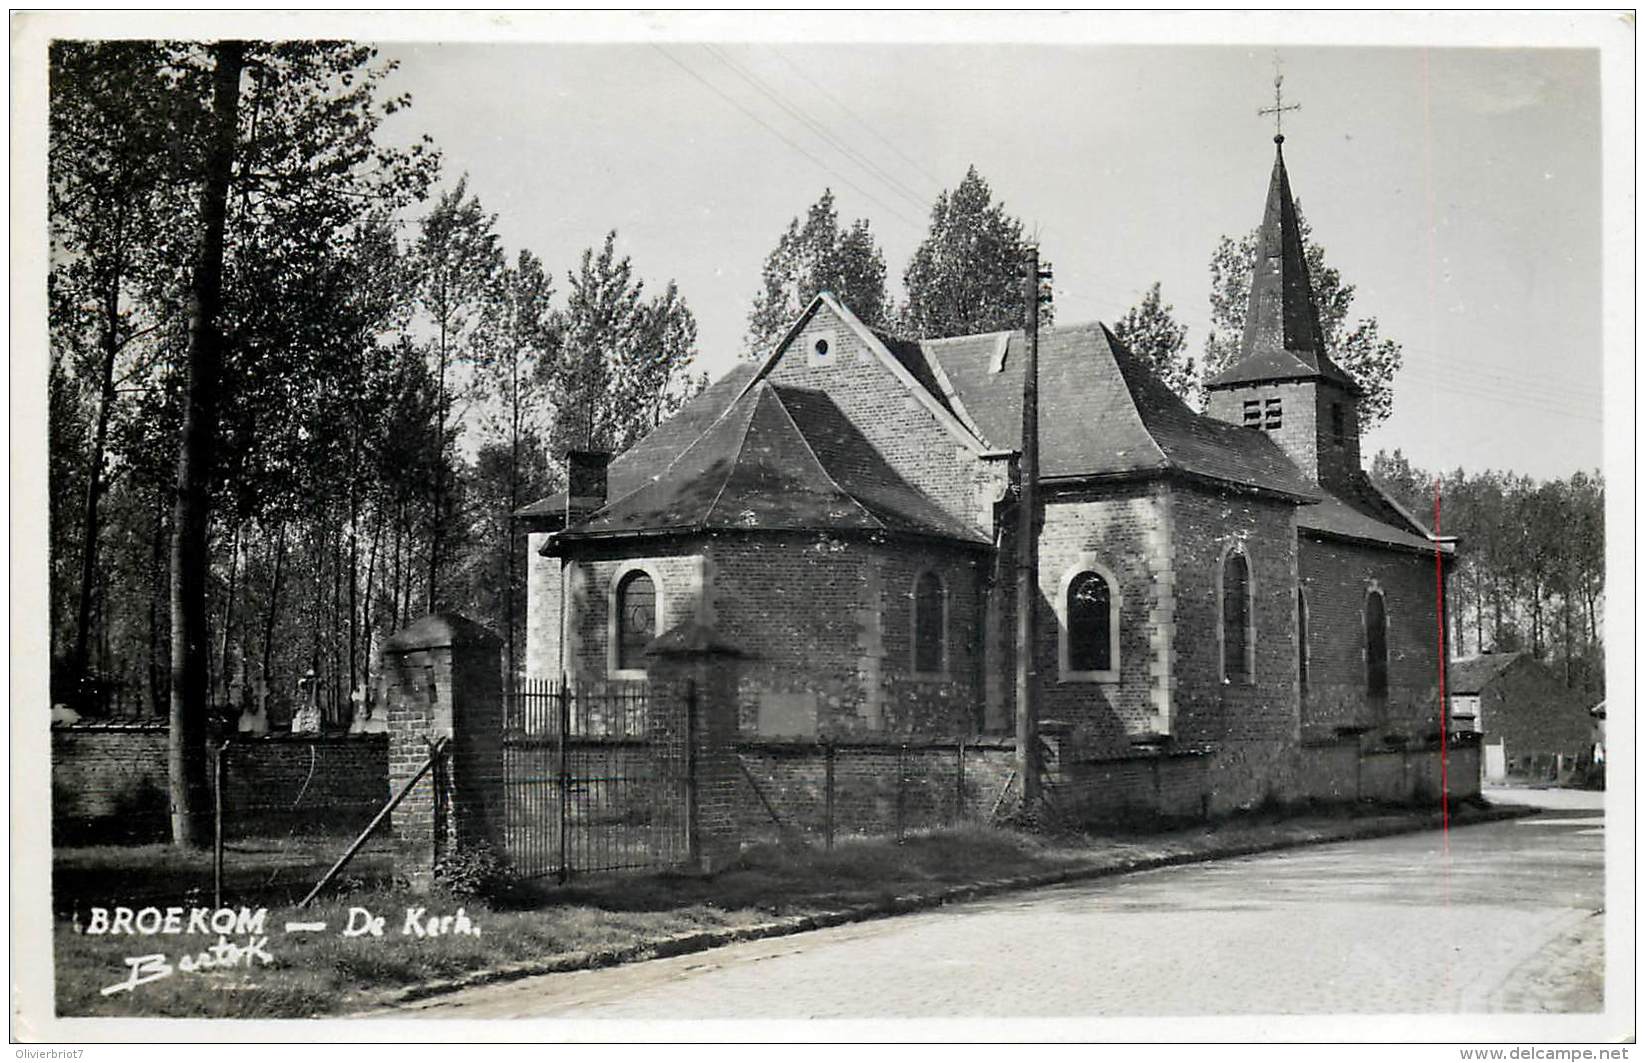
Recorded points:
(821, 347)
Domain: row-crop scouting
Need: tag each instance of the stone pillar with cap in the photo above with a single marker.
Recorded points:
(443, 678)
(693, 675)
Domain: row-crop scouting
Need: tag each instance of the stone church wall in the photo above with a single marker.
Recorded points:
(1252, 727)
(829, 624)
(1123, 532)
(542, 612)
(901, 428)
(1307, 430)
(676, 569)
(1336, 578)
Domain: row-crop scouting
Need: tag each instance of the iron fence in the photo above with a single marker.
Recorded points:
(588, 785)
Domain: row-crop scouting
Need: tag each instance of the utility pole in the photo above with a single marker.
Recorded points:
(1028, 475)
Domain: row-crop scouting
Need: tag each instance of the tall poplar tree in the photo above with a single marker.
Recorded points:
(813, 257)
(966, 276)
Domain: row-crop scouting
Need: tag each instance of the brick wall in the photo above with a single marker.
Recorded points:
(1253, 726)
(1174, 785)
(827, 625)
(542, 619)
(1124, 533)
(1305, 433)
(678, 572)
(1336, 578)
(109, 783)
(1340, 771)
(790, 780)
(910, 437)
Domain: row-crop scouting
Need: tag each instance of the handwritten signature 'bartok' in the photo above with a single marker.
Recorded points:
(225, 954)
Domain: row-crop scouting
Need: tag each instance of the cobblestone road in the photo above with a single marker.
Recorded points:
(1504, 921)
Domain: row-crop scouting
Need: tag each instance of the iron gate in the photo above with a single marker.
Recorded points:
(588, 784)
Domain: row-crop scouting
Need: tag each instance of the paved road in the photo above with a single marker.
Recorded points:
(1506, 921)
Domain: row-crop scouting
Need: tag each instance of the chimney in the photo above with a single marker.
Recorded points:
(585, 483)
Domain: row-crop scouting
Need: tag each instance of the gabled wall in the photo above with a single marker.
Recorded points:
(900, 425)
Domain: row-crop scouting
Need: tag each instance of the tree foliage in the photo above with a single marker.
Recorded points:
(1356, 344)
(813, 257)
(623, 358)
(967, 275)
(1150, 332)
(1530, 568)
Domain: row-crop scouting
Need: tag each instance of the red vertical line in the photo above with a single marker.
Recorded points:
(1444, 712)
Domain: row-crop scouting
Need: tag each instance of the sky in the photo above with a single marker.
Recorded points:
(1458, 189)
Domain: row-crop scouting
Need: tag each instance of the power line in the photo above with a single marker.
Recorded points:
(1499, 381)
(817, 128)
(917, 226)
(855, 117)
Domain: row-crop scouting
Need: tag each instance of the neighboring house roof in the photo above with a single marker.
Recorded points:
(1282, 338)
(1102, 412)
(778, 459)
(1470, 675)
(1360, 511)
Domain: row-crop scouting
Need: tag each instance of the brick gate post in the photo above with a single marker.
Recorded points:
(444, 680)
(693, 675)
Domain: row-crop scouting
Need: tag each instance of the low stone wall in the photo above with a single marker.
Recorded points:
(878, 785)
(1339, 771)
(109, 782)
(1168, 784)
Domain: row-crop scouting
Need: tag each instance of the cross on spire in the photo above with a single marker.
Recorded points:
(1279, 108)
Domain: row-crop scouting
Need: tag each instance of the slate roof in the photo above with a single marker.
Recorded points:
(644, 459)
(1103, 413)
(1282, 339)
(1469, 675)
(1359, 511)
(777, 459)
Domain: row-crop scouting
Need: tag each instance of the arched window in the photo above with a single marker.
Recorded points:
(1376, 645)
(1089, 624)
(1236, 618)
(929, 633)
(1089, 610)
(1302, 639)
(636, 620)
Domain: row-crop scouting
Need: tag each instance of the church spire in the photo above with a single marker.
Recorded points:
(1282, 339)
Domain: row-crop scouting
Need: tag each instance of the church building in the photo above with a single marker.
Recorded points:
(1229, 583)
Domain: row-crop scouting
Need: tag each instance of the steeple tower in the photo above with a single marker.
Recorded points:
(1284, 381)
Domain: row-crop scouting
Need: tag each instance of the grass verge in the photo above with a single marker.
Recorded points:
(536, 927)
